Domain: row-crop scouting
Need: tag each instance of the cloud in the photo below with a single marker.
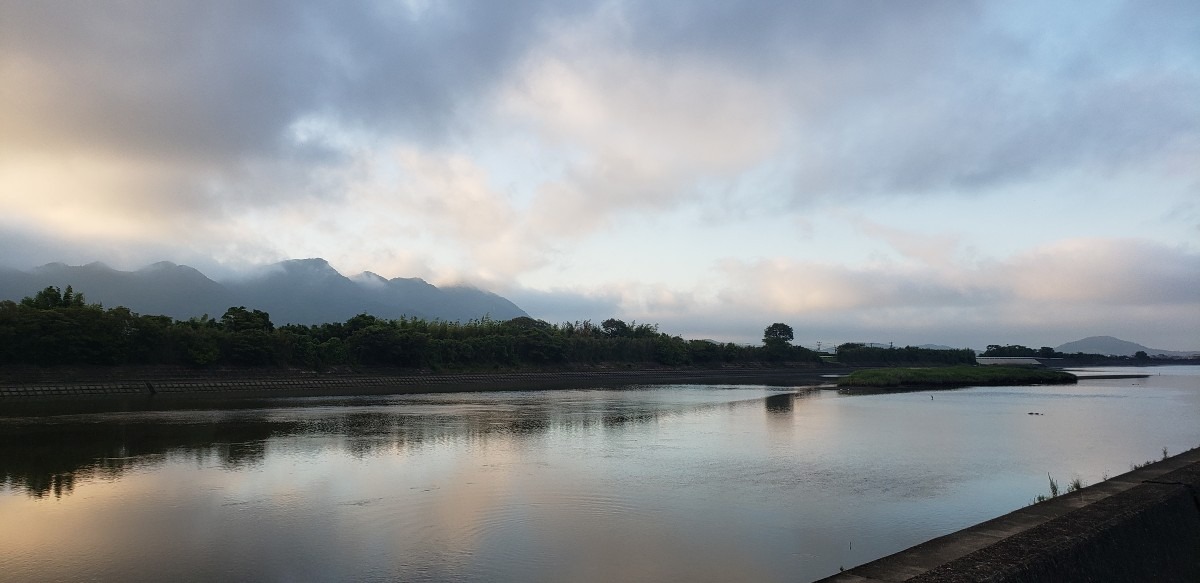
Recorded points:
(491, 142)
(931, 250)
(565, 305)
(221, 79)
(452, 198)
(642, 132)
(1098, 272)
(207, 110)
(986, 120)
(196, 112)
(1134, 285)
(1102, 272)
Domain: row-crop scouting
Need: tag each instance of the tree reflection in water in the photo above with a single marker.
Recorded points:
(51, 455)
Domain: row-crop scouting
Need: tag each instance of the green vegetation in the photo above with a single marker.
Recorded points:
(1075, 485)
(56, 329)
(1016, 350)
(954, 376)
(1137, 466)
(856, 354)
(777, 341)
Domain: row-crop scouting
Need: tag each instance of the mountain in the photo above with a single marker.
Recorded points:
(1111, 346)
(893, 345)
(306, 291)
(299, 291)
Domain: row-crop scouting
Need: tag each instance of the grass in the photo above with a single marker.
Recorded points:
(954, 376)
(1076, 484)
(1137, 466)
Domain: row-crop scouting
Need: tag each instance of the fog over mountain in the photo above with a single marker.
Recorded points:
(300, 291)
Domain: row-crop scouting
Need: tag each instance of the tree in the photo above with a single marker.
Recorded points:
(777, 340)
(239, 319)
(52, 298)
(1141, 355)
(1009, 350)
(614, 328)
(777, 334)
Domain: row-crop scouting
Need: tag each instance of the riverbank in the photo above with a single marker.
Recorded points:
(954, 376)
(1143, 525)
(35, 383)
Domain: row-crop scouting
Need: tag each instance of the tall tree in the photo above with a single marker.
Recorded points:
(777, 334)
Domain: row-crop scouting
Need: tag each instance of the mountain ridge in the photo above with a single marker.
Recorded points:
(1113, 346)
(294, 291)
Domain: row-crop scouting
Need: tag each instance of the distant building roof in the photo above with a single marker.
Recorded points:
(1008, 360)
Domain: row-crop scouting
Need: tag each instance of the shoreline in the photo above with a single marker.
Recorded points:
(1140, 525)
(225, 383)
(59, 384)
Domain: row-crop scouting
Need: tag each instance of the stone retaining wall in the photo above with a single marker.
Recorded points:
(1140, 526)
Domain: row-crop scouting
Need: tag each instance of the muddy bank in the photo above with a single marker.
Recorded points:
(167, 382)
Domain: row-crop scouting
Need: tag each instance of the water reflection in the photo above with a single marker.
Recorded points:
(51, 455)
(681, 483)
(52, 458)
(780, 404)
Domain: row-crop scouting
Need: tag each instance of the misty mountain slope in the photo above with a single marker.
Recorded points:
(494, 306)
(304, 291)
(162, 288)
(167, 287)
(301, 291)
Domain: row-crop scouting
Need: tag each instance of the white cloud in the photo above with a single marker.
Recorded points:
(1102, 272)
(380, 137)
(642, 132)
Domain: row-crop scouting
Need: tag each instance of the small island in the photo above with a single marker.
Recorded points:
(955, 376)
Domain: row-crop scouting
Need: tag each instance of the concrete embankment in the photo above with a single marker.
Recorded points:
(251, 382)
(1140, 526)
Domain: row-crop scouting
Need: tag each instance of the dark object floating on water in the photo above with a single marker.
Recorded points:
(1032, 413)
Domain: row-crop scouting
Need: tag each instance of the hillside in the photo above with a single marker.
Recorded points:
(1111, 346)
(301, 291)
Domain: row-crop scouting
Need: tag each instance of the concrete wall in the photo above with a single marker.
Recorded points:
(1140, 526)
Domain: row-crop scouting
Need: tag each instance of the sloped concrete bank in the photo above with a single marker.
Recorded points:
(165, 382)
(1141, 526)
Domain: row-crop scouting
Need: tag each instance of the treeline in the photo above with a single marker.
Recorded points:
(955, 376)
(857, 354)
(55, 328)
(1017, 350)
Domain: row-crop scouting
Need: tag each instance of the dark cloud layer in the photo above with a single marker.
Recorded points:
(907, 97)
(220, 80)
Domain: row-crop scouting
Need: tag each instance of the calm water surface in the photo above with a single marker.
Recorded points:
(672, 483)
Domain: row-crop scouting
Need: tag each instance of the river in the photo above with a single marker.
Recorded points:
(658, 483)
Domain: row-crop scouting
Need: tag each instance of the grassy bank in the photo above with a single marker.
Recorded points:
(955, 376)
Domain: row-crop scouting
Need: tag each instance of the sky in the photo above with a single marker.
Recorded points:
(958, 173)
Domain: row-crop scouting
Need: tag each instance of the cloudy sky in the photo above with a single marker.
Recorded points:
(913, 172)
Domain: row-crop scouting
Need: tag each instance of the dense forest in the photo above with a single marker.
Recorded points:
(1017, 350)
(57, 327)
(856, 354)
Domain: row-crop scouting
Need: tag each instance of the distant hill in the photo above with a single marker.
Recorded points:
(299, 291)
(893, 345)
(1111, 346)
(936, 347)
